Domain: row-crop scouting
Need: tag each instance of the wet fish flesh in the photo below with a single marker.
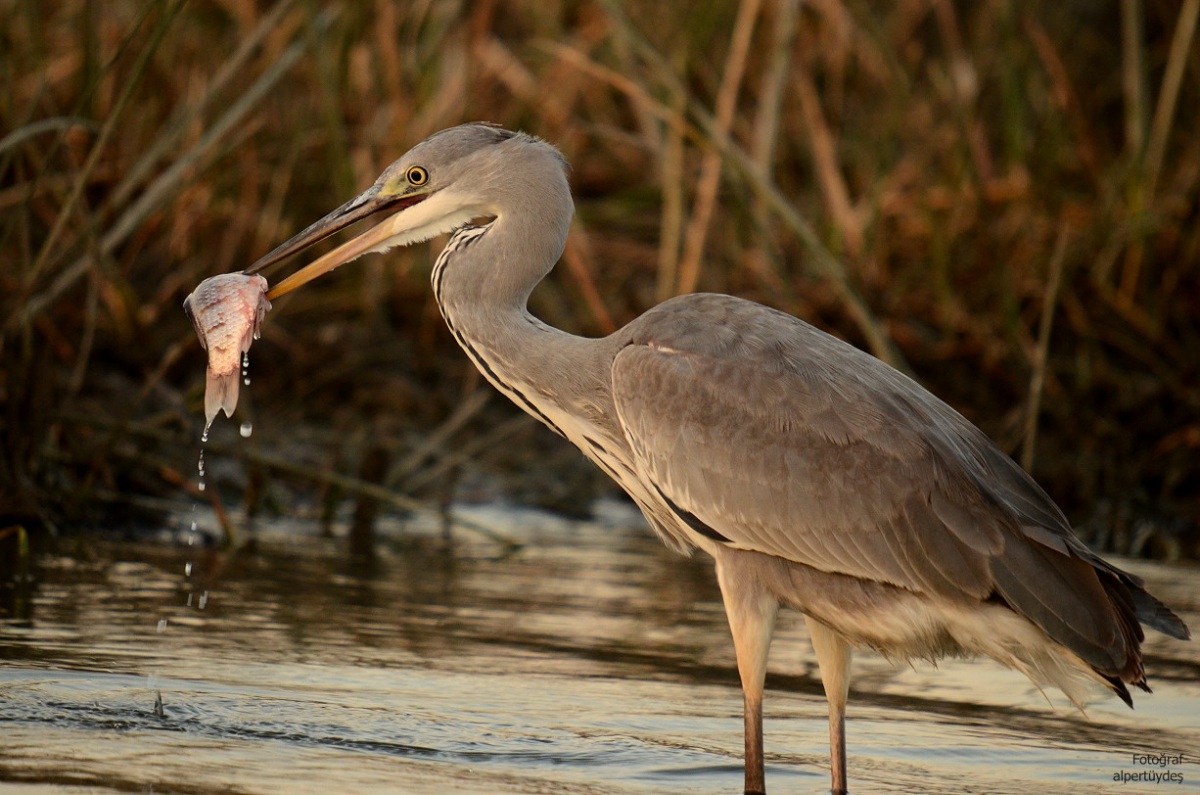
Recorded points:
(227, 311)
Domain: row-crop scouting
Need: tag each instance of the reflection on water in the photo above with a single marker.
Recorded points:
(591, 661)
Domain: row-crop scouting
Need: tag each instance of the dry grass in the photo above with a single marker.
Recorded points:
(1000, 197)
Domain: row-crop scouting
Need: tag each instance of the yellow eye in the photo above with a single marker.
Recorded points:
(417, 176)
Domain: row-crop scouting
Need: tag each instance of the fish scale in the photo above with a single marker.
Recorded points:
(227, 311)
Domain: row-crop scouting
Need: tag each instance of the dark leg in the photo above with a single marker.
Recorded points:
(755, 776)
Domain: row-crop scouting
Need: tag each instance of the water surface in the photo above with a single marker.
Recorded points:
(590, 661)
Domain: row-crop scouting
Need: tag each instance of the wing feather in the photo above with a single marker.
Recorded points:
(787, 441)
(790, 442)
(785, 455)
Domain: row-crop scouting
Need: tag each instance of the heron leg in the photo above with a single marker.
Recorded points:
(751, 611)
(833, 658)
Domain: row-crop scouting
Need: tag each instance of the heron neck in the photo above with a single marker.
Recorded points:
(483, 280)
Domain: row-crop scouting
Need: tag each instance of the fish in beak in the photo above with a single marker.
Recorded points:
(227, 311)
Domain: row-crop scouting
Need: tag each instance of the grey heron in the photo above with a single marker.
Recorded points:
(816, 476)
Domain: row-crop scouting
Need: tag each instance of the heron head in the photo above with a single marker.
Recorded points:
(440, 184)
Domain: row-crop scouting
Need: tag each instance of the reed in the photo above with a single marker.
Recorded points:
(904, 174)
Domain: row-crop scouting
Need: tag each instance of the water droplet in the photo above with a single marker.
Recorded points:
(200, 485)
(187, 569)
(189, 602)
(246, 428)
(162, 625)
(203, 600)
(204, 436)
(246, 380)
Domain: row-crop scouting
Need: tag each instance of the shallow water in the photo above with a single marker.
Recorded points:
(590, 661)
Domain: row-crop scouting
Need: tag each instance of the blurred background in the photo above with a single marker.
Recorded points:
(999, 197)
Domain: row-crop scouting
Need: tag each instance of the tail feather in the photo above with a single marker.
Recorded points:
(1087, 612)
(1156, 615)
(1121, 690)
(1149, 610)
(1088, 606)
(1133, 607)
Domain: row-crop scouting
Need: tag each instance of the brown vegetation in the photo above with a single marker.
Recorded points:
(1002, 197)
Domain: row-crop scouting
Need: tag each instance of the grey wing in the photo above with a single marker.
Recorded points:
(803, 464)
(789, 442)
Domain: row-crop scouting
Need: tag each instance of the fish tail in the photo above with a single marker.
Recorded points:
(220, 394)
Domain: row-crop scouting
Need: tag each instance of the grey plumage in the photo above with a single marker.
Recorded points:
(815, 475)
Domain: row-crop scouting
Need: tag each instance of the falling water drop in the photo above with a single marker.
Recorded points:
(189, 601)
(203, 600)
(246, 430)
(162, 625)
(187, 569)
(246, 368)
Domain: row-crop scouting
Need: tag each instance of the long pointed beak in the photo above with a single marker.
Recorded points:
(362, 206)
